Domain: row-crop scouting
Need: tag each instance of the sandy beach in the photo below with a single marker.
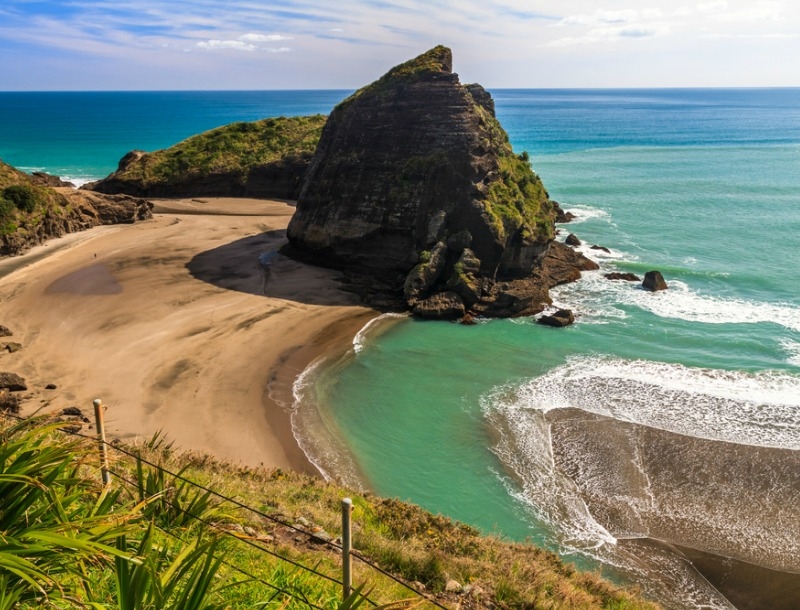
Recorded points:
(177, 326)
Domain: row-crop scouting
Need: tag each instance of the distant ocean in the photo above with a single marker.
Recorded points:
(656, 424)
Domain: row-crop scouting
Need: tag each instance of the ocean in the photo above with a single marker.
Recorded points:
(658, 438)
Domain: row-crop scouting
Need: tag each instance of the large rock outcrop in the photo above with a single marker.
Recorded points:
(31, 213)
(415, 191)
(266, 158)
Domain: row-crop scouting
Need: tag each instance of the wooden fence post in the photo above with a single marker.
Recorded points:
(347, 545)
(101, 439)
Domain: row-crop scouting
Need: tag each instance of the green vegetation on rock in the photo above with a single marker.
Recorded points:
(232, 149)
(517, 199)
(439, 59)
(23, 205)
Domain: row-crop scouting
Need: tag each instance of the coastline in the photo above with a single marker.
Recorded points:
(175, 325)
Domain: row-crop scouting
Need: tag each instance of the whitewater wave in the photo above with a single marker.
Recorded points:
(632, 478)
(759, 409)
(792, 348)
(584, 212)
(78, 180)
(360, 340)
(596, 297)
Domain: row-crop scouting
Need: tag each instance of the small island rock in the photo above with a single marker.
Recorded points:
(628, 277)
(559, 319)
(653, 281)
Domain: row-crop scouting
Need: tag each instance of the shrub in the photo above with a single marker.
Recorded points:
(22, 196)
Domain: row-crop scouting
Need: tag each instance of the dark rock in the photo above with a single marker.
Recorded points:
(562, 265)
(9, 402)
(417, 159)
(559, 319)
(422, 277)
(562, 216)
(50, 386)
(628, 277)
(43, 179)
(458, 242)
(601, 248)
(465, 280)
(436, 228)
(572, 240)
(441, 306)
(75, 412)
(12, 382)
(653, 281)
(13, 347)
(467, 320)
(5, 332)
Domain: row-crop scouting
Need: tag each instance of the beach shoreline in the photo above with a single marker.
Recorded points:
(178, 328)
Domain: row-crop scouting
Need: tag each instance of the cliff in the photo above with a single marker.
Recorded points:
(415, 192)
(266, 158)
(31, 212)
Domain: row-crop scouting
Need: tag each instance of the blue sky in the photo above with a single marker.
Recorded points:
(343, 44)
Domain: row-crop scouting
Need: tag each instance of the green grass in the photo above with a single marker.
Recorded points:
(65, 542)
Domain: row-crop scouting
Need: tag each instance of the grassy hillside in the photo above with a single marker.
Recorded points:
(236, 159)
(154, 537)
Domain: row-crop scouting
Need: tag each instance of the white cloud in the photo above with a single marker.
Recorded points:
(247, 42)
(237, 45)
(264, 37)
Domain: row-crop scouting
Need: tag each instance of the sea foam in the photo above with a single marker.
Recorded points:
(761, 409)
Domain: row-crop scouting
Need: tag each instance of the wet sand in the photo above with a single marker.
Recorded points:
(178, 327)
(680, 504)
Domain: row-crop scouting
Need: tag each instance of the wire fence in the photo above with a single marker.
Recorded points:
(347, 553)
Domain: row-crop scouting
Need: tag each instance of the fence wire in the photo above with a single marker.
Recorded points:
(178, 476)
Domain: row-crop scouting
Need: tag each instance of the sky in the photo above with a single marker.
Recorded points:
(91, 45)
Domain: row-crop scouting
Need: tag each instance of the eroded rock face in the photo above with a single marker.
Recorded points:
(415, 185)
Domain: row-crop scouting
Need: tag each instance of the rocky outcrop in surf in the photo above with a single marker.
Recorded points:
(416, 193)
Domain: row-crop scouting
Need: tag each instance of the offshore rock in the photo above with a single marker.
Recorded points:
(415, 160)
(627, 277)
(654, 281)
(559, 319)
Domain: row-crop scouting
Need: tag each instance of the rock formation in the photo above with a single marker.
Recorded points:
(653, 281)
(627, 277)
(33, 213)
(266, 158)
(12, 382)
(416, 193)
(558, 319)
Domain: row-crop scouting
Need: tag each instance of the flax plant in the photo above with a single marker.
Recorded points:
(54, 524)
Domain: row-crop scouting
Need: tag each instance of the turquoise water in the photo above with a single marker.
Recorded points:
(81, 136)
(656, 416)
(701, 185)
